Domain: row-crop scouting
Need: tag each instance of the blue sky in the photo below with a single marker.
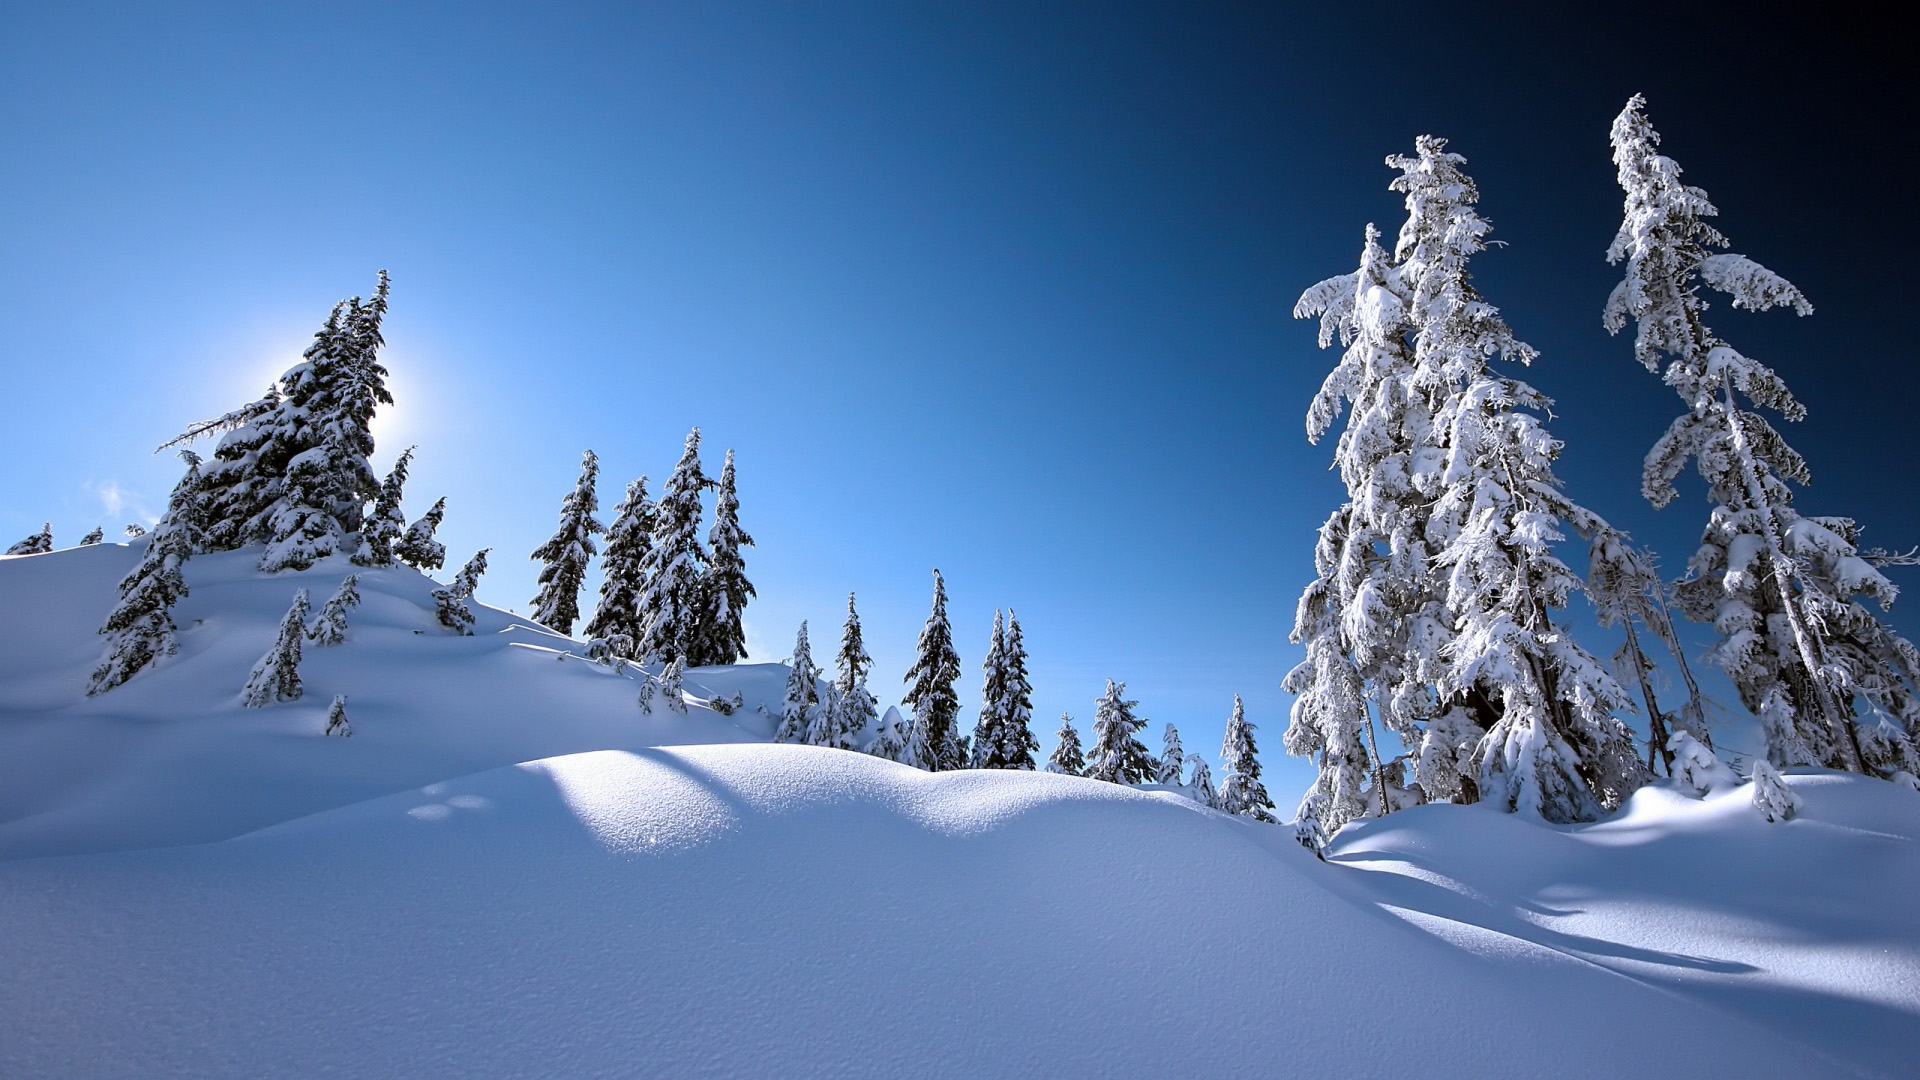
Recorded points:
(998, 288)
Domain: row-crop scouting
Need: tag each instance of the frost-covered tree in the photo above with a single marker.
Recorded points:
(855, 702)
(1831, 683)
(450, 600)
(337, 717)
(136, 531)
(38, 544)
(1173, 758)
(618, 612)
(139, 629)
(1118, 756)
(674, 565)
(563, 558)
(1626, 591)
(95, 536)
(672, 682)
(417, 548)
(1200, 782)
(276, 675)
(1010, 744)
(724, 590)
(802, 699)
(239, 482)
(1695, 767)
(1241, 791)
(993, 693)
(384, 525)
(1066, 758)
(1771, 795)
(931, 744)
(891, 736)
(329, 627)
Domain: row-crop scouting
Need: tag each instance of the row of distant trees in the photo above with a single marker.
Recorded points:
(1437, 610)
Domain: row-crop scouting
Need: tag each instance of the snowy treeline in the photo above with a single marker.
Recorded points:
(1438, 607)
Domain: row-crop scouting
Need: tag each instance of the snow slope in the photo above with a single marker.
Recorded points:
(505, 872)
(173, 758)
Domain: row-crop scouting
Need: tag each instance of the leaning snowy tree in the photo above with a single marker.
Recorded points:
(724, 590)
(450, 600)
(94, 536)
(140, 627)
(853, 700)
(565, 555)
(617, 615)
(330, 626)
(417, 547)
(276, 675)
(1066, 758)
(38, 544)
(1241, 791)
(384, 525)
(1118, 756)
(1831, 683)
(674, 564)
(802, 699)
(930, 693)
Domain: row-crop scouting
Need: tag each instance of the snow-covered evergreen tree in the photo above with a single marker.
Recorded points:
(140, 627)
(1066, 758)
(724, 590)
(803, 695)
(1695, 767)
(891, 736)
(330, 626)
(1015, 746)
(674, 566)
(993, 693)
(1241, 791)
(1831, 683)
(239, 482)
(672, 683)
(855, 701)
(95, 536)
(1200, 782)
(276, 675)
(1771, 795)
(1627, 592)
(136, 531)
(1118, 756)
(1173, 758)
(337, 717)
(417, 548)
(628, 538)
(932, 744)
(450, 600)
(384, 525)
(565, 555)
(38, 544)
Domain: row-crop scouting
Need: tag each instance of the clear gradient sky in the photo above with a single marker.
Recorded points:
(1002, 288)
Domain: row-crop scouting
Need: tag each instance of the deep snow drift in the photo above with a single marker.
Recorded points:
(766, 910)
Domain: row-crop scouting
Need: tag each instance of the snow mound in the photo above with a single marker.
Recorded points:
(172, 757)
(762, 910)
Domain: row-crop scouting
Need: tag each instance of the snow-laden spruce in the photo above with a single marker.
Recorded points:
(617, 614)
(673, 566)
(1831, 683)
(385, 524)
(802, 699)
(94, 536)
(1003, 739)
(450, 600)
(139, 628)
(891, 736)
(564, 557)
(38, 544)
(337, 717)
(853, 703)
(1241, 791)
(725, 590)
(276, 675)
(1118, 756)
(417, 547)
(1433, 607)
(1200, 781)
(1066, 758)
(1173, 758)
(329, 627)
(932, 743)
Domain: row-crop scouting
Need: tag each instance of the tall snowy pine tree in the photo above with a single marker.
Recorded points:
(673, 567)
(931, 744)
(384, 525)
(565, 555)
(724, 590)
(993, 693)
(617, 615)
(1118, 756)
(1241, 791)
(140, 627)
(802, 699)
(1831, 683)
(853, 700)
(1066, 758)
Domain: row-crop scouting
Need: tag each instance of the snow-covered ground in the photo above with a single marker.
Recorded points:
(510, 870)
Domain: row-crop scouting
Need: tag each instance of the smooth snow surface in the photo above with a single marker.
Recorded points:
(773, 911)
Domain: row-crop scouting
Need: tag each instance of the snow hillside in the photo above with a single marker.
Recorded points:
(796, 911)
(172, 757)
(512, 869)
